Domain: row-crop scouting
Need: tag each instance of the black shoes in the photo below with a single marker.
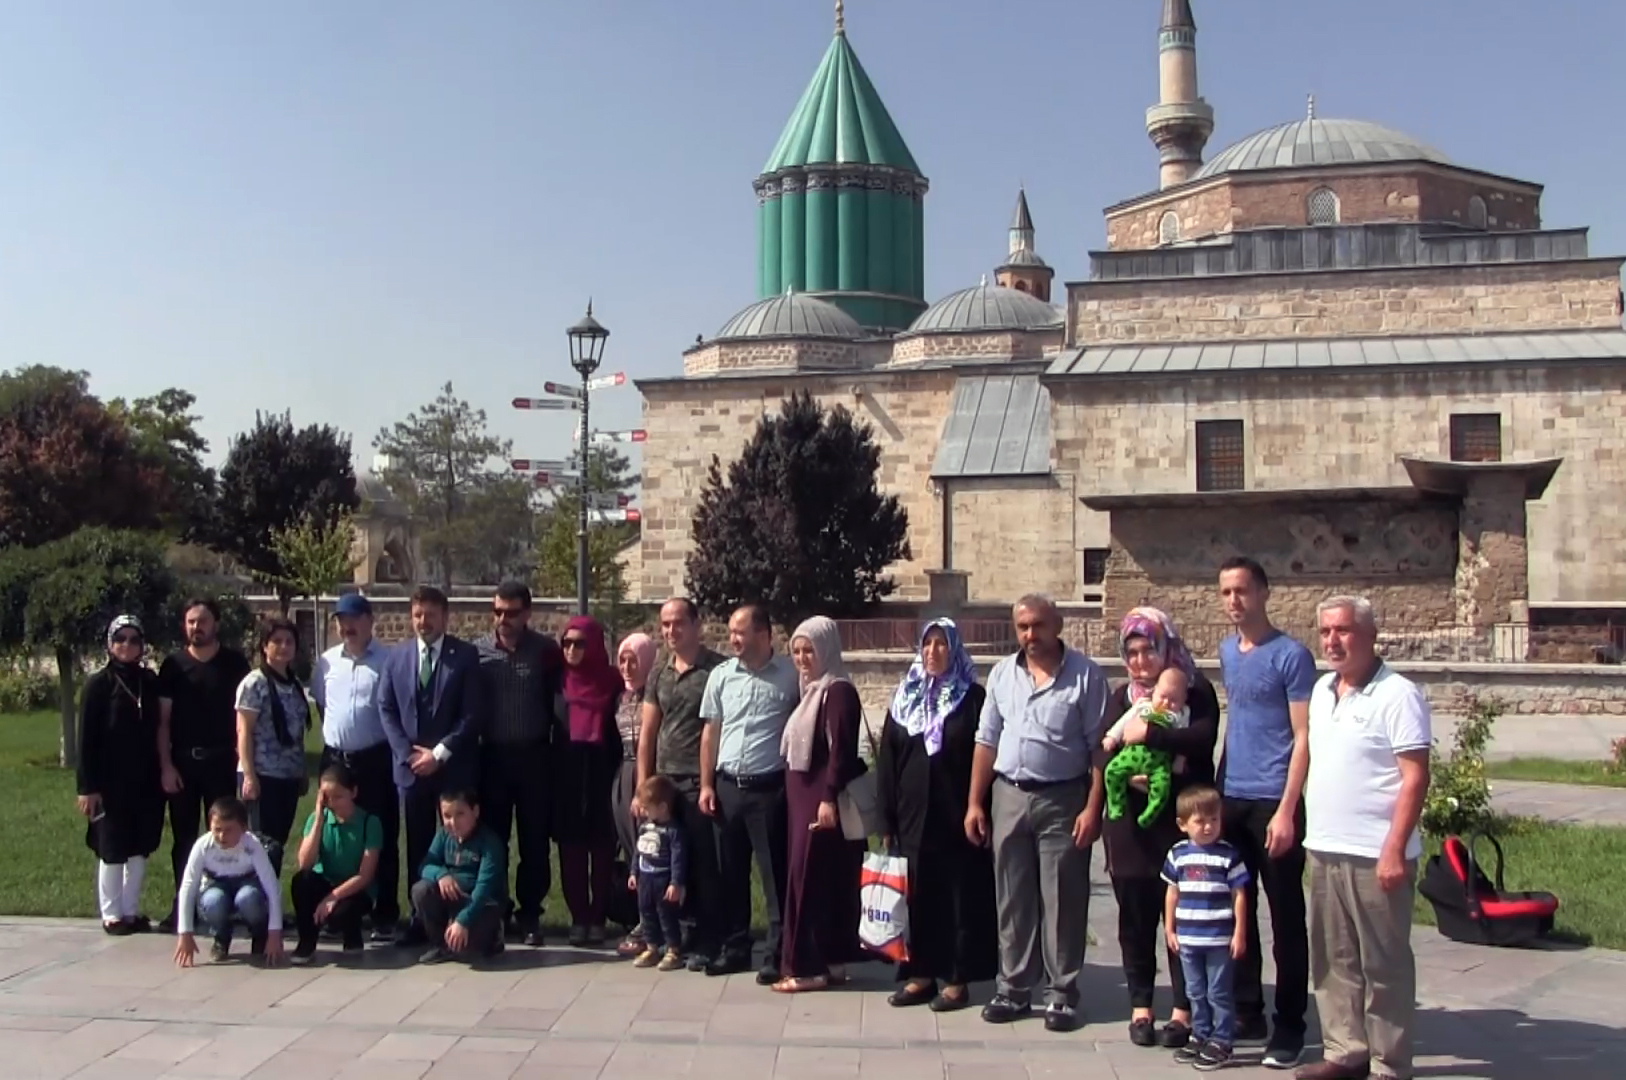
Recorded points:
(904, 997)
(698, 962)
(727, 964)
(437, 955)
(1060, 1017)
(1251, 1029)
(1174, 1035)
(768, 974)
(1283, 1051)
(1143, 1032)
(1212, 1056)
(304, 952)
(1004, 1010)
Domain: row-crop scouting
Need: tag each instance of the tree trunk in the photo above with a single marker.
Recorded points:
(66, 664)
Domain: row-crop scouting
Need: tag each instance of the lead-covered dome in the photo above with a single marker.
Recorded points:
(1314, 141)
(986, 307)
(793, 315)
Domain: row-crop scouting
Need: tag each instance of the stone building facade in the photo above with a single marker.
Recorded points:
(1330, 346)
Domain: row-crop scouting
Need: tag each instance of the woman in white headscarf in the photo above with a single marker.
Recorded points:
(821, 757)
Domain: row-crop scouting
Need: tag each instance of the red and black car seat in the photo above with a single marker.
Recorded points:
(1473, 908)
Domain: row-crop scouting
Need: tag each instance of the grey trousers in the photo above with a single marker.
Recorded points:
(1042, 886)
(1362, 965)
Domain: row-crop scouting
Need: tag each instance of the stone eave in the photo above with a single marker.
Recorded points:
(1215, 500)
(974, 331)
(969, 366)
(1333, 168)
(775, 339)
(1614, 261)
(1454, 477)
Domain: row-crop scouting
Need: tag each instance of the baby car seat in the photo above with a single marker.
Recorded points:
(1469, 907)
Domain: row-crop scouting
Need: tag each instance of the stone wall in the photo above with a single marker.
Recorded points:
(1349, 429)
(1015, 536)
(1400, 555)
(998, 345)
(775, 354)
(1393, 301)
(1400, 192)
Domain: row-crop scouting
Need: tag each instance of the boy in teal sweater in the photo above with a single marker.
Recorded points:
(464, 884)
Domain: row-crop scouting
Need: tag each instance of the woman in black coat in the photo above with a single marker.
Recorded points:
(1149, 643)
(119, 778)
(923, 781)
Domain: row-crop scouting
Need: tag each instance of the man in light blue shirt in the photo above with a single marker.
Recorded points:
(1032, 773)
(742, 782)
(345, 684)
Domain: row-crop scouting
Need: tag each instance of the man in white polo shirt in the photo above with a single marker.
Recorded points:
(1369, 742)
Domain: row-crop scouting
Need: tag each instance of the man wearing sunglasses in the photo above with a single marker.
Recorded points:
(519, 671)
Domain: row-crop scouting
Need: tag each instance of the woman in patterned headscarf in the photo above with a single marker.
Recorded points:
(119, 789)
(923, 777)
(1150, 644)
(585, 763)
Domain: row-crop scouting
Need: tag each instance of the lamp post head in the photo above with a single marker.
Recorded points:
(587, 343)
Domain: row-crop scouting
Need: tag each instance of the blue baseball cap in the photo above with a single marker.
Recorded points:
(352, 603)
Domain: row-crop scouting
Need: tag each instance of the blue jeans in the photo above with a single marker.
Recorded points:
(1209, 974)
(658, 918)
(223, 898)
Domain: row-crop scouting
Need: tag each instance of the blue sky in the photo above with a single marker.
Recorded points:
(333, 208)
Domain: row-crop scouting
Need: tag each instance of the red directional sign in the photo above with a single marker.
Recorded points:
(563, 389)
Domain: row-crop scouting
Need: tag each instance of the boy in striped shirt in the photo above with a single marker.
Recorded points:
(1204, 917)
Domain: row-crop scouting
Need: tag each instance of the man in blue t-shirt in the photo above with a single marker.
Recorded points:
(1268, 681)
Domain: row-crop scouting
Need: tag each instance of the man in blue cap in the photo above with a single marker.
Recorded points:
(346, 686)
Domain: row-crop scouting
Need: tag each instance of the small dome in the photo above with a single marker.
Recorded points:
(986, 307)
(1319, 142)
(1023, 257)
(794, 315)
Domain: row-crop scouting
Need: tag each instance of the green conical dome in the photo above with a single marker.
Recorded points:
(840, 201)
(841, 120)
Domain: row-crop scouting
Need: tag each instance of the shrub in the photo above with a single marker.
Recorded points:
(25, 686)
(1617, 758)
(1459, 794)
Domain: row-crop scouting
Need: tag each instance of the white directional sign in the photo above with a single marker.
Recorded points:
(636, 435)
(628, 514)
(564, 389)
(604, 382)
(610, 500)
(550, 479)
(546, 403)
(540, 465)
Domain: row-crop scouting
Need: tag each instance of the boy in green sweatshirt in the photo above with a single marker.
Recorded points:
(464, 884)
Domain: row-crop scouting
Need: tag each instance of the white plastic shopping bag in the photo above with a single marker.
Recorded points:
(883, 890)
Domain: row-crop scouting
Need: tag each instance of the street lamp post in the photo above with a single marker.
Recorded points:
(586, 352)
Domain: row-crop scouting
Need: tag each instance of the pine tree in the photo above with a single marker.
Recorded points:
(798, 522)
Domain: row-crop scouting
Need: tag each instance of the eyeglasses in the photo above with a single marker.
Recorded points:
(573, 643)
(127, 639)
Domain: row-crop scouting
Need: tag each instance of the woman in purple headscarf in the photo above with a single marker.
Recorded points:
(923, 781)
(1150, 644)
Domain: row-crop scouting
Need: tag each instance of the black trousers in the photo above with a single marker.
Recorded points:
(420, 813)
(309, 889)
(1283, 883)
(1141, 941)
(702, 914)
(206, 776)
(376, 793)
(272, 814)
(751, 826)
(437, 912)
(658, 919)
(514, 795)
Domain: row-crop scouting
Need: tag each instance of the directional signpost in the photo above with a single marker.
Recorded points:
(542, 403)
(636, 435)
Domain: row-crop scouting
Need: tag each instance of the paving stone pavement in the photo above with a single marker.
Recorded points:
(75, 1003)
(1573, 804)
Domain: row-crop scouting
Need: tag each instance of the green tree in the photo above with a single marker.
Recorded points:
(164, 437)
(67, 462)
(274, 477)
(58, 599)
(317, 557)
(608, 472)
(472, 521)
(798, 522)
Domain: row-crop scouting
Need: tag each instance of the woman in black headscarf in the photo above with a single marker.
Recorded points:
(118, 780)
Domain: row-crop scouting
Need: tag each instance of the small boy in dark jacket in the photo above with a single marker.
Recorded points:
(464, 884)
(660, 868)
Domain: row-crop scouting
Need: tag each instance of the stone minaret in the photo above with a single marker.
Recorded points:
(1181, 121)
(1023, 269)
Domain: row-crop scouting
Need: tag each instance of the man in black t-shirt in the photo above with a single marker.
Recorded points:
(197, 728)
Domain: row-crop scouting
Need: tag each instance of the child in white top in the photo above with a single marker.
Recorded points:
(227, 876)
(1168, 697)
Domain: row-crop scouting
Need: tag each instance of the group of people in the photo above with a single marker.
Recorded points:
(697, 769)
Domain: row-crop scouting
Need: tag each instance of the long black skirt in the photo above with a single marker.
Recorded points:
(132, 826)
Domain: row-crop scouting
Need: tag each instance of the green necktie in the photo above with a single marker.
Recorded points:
(426, 669)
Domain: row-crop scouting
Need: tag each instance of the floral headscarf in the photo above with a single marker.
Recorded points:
(825, 637)
(592, 686)
(643, 647)
(923, 701)
(1156, 627)
(123, 622)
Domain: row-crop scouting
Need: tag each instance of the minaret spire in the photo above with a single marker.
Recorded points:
(841, 18)
(1023, 269)
(1180, 123)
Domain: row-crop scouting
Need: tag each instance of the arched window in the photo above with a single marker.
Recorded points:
(1021, 286)
(1321, 207)
(1476, 213)
(1168, 228)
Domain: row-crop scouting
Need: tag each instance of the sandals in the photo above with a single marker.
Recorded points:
(801, 986)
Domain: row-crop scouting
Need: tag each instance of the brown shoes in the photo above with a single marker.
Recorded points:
(1331, 1070)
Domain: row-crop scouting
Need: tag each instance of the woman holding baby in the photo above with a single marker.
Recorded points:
(1160, 668)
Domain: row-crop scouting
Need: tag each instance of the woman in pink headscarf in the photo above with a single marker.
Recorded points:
(636, 661)
(584, 769)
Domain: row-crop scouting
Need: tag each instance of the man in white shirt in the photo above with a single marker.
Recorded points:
(1369, 743)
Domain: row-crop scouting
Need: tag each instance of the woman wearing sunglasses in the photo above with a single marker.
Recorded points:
(119, 789)
(583, 770)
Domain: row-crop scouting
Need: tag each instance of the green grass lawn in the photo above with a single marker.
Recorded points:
(1556, 771)
(56, 874)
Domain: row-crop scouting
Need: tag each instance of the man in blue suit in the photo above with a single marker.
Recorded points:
(430, 703)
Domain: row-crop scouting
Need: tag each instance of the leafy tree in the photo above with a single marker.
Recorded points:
(608, 471)
(317, 557)
(164, 434)
(470, 519)
(58, 598)
(66, 461)
(799, 523)
(276, 476)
